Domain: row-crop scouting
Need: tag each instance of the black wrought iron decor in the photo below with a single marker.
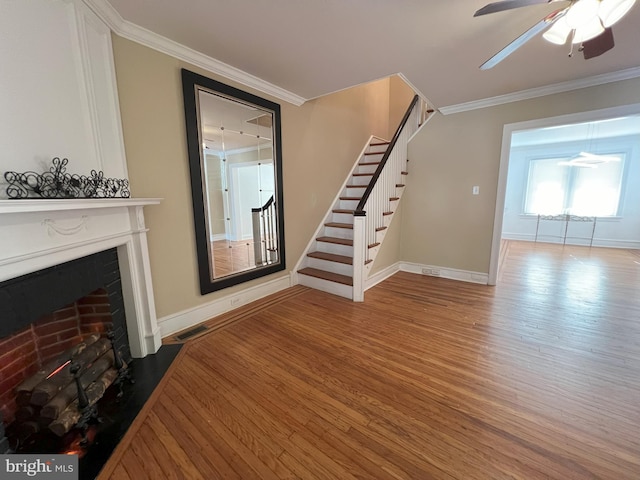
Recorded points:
(57, 183)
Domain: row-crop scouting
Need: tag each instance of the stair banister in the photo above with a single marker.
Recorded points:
(264, 240)
(359, 211)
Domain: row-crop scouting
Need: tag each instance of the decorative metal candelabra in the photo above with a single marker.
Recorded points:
(57, 183)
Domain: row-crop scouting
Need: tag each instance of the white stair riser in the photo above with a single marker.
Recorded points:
(354, 191)
(367, 168)
(338, 232)
(348, 204)
(372, 158)
(342, 217)
(345, 291)
(334, 248)
(364, 181)
(329, 266)
(377, 148)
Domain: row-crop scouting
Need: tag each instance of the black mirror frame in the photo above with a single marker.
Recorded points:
(190, 83)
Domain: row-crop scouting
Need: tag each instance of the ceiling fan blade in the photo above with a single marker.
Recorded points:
(539, 27)
(508, 5)
(598, 45)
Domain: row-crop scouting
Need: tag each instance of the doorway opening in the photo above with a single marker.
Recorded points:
(573, 179)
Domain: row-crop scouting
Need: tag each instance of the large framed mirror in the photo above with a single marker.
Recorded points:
(235, 159)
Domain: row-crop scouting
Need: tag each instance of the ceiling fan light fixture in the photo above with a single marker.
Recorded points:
(581, 12)
(611, 11)
(558, 33)
(588, 30)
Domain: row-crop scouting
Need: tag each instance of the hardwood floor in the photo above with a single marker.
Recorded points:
(232, 257)
(537, 378)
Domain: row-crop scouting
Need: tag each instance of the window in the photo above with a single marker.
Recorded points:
(588, 187)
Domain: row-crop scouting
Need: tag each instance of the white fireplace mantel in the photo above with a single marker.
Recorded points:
(37, 234)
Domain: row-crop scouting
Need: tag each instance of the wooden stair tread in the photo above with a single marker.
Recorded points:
(400, 185)
(378, 144)
(331, 257)
(374, 153)
(364, 164)
(350, 198)
(404, 173)
(393, 199)
(379, 229)
(330, 276)
(384, 214)
(362, 175)
(343, 210)
(357, 186)
(348, 226)
(372, 245)
(339, 241)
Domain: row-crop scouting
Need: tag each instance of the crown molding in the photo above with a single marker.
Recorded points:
(543, 91)
(415, 89)
(145, 37)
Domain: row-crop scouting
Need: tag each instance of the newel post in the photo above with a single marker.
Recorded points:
(359, 249)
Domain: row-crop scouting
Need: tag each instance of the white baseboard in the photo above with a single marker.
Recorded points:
(605, 242)
(193, 316)
(382, 275)
(597, 242)
(444, 272)
(217, 237)
(523, 237)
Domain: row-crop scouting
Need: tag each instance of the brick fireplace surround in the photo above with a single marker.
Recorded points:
(38, 234)
(49, 311)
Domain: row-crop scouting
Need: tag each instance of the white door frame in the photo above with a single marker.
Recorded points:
(504, 164)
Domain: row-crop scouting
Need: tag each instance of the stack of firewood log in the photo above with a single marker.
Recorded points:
(49, 398)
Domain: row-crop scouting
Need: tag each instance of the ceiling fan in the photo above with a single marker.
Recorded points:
(584, 22)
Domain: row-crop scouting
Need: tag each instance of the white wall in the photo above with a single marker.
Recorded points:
(621, 231)
(58, 95)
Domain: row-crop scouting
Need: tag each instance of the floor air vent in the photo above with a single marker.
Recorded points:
(191, 333)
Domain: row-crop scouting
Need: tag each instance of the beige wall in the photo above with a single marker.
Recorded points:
(443, 223)
(400, 97)
(320, 142)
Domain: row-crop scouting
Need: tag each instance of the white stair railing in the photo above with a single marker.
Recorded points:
(377, 199)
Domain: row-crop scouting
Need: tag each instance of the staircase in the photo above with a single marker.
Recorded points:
(340, 256)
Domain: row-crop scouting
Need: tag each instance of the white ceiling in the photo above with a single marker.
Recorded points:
(315, 47)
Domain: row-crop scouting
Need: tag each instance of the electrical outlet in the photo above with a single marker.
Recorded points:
(434, 272)
(476, 190)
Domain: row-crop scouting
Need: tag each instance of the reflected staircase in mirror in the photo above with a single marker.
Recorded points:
(341, 254)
